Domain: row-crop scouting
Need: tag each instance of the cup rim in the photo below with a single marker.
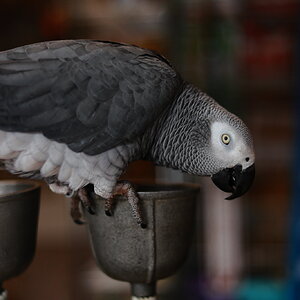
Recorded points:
(32, 185)
(168, 190)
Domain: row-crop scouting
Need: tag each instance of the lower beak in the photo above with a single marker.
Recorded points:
(234, 180)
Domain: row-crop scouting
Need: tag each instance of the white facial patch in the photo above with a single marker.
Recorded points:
(232, 152)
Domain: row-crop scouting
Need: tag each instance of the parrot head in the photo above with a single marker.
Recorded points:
(198, 136)
(232, 148)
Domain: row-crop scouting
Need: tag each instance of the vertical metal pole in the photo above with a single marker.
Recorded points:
(143, 291)
(222, 239)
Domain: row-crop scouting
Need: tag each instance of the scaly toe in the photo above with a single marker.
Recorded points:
(126, 189)
(86, 201)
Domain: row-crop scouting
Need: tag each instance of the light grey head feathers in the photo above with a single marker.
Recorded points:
(198, 136)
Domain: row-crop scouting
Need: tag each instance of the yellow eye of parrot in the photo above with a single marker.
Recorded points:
(225, 139)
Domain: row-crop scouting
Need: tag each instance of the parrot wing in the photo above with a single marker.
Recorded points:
(89, 95)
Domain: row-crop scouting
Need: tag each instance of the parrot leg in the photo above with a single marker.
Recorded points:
(75, 211)
(85, 200)
(80, 197)
(125, 188)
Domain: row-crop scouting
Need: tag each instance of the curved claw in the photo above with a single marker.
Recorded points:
(82, 197)
(108, 212)
(78, 222)
(143, 225)
(75, 211)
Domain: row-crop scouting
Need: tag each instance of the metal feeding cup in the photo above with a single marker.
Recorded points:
(127, 252)
(19, 208)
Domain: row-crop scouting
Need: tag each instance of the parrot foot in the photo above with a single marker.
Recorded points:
(80, 197)
(125, 188)
(59, 187)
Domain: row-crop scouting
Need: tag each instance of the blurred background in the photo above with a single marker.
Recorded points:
(245, 54)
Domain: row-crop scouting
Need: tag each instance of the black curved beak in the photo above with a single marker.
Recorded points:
(234, 180)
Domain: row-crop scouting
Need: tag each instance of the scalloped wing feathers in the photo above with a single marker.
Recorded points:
(89, 95)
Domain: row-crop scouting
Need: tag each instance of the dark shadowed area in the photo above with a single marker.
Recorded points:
(245, 54)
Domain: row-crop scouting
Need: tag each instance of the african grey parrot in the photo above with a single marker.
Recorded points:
(76, 112)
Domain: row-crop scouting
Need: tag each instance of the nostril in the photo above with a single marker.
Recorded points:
(247, 159)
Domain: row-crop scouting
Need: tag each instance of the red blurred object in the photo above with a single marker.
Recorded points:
(274, 7)
(54, 22)
(267, 51)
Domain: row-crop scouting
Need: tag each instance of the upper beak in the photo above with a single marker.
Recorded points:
(234, 180)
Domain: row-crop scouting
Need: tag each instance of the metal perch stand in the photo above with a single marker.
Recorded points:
(19, 209)
(126, 252)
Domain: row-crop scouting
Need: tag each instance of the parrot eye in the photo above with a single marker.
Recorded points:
(225, 139)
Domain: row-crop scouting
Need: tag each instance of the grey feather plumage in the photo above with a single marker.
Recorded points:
(182, 135)
(89, 95)
(88, 108)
